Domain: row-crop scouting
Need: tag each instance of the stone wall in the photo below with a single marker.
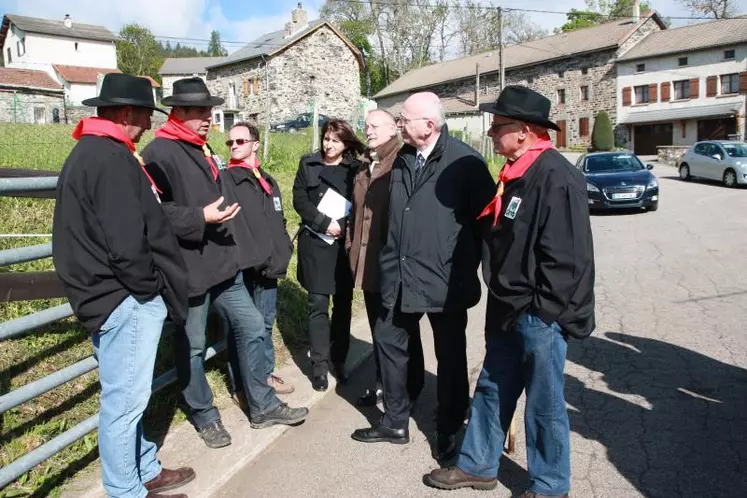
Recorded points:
(320, 65)
(19, 106)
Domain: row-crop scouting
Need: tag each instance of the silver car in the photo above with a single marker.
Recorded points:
(716, 160)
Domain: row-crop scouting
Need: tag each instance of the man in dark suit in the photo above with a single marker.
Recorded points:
(429, 266)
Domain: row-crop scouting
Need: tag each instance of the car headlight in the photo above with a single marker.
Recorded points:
(591, 188)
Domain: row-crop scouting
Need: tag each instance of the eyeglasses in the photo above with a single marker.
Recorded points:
(239, 141)
(495, 127)
(402, 119)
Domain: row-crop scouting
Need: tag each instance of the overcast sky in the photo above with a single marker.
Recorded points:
(245, 20)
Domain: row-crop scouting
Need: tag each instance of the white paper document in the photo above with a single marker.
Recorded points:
(335, 206)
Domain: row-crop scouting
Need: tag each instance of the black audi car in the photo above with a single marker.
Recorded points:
(619, 180)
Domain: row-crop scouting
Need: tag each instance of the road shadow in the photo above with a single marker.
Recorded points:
(703, 181)
(675, 423)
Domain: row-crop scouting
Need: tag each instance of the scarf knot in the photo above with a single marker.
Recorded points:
(175, 129)
(254, 168)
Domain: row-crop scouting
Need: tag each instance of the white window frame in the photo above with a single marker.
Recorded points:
(37, 111)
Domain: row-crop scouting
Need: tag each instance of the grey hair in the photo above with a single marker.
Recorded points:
(440, 116)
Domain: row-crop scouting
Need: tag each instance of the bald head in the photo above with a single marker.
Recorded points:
(422, 118)
(380, 128)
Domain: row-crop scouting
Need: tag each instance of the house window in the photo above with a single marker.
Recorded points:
(561, 74)
(21, 47)
(729, 55)
(530, 80)
(682, 61)
(681, 89)
(8, 57)
(584, 71)
(40, 116)
(231, 101)
(561, 96)
(639, 68)
(585, 93)
(729, 83)
(583, 127)
(76, 46)
(641, 94)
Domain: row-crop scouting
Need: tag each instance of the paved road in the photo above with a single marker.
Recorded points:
(657, 396)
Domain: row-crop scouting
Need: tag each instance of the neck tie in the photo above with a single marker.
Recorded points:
(419, 162)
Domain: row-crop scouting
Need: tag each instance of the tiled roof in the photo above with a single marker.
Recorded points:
(153, 82)
(27, 78)
(56, 28)
(188, 65)
(605, 36)
(688, 38)
(80, 74)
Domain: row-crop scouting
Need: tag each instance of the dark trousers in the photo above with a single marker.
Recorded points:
(329, 340)
(415, 366)
(395, 331)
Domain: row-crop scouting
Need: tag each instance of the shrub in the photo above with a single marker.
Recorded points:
(602, 137)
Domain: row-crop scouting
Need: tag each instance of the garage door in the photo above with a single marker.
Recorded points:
(648, 137)
(716, 129)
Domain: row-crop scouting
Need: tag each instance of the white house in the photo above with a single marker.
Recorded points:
(74, 54)
(678, 86)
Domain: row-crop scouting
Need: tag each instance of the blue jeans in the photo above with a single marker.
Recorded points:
(126, 346)
(246, 331)
(531, 358)
(264, 293)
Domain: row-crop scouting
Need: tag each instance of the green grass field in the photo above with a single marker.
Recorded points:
(28, 358)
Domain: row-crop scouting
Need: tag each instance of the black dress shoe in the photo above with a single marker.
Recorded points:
(446, 447)
(371, 397)
(340, 374)
(319, 382)
(382, 434)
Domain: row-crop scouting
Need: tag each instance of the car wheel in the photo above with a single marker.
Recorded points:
(730, 178)
(653, 206)
(684, 172)
(291, 130)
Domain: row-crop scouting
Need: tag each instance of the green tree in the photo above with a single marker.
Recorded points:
(138, 52)
(598, 12)
(602, 137)
(215, 49)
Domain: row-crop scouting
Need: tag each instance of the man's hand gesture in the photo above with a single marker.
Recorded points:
(213, 213)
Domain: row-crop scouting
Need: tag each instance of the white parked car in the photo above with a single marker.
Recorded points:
(720, 160)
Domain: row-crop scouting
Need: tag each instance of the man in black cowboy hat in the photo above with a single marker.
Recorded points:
(186, 170)
(122, 270)
(541, 281)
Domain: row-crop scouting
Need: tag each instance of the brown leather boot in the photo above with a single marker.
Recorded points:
(169, 479)
(455, 478)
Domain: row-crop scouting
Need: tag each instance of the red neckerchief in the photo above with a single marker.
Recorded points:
(513, 171)
(174, 129)
(254, 168)
(100, 127)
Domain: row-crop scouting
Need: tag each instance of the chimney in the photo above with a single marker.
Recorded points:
(68, 21)
(636, 11)
(299, 18)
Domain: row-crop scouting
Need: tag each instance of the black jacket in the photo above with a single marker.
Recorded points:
(434, 240)
(542, 259)
(110, 236)
(321, 266)
(264, 244)
(183, 174)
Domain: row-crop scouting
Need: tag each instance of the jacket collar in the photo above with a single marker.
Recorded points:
(316, 159)
(388, 150)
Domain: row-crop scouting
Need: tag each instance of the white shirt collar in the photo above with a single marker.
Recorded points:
(427, 151)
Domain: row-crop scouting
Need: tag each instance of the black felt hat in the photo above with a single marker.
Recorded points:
(191, 92)
(124, 90)
(523, 104)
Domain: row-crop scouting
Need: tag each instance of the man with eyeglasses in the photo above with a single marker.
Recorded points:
(264, 245)
(185, 169)
(541, 282)
(429, 265)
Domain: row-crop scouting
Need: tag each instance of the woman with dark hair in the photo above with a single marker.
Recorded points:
(326, 177)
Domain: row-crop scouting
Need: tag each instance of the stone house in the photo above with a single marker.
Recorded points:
(285, 73)
(184, 67)
(683, 85)
(30, 96)
(575, 70)
(75, 55)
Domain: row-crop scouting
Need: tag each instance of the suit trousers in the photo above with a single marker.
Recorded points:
(329, 340)
(395, 330)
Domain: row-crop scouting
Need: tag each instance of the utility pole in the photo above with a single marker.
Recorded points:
(501, 66)
(266, 144)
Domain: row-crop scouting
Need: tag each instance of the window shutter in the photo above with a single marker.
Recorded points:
(245, 87)
(583, 127)
(694, 88)
(256, 85)
(652, 92)
(665, 89)
(626, 95)
(743, 82)
(711, 86)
